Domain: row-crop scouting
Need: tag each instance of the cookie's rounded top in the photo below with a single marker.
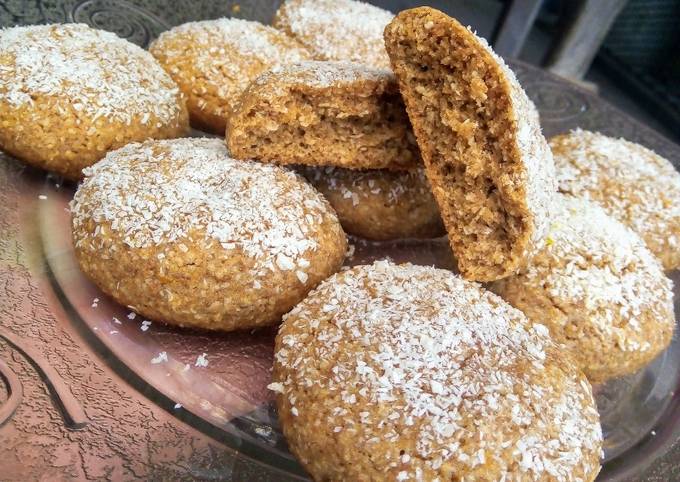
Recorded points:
(324, 74)
(424, 360)
(164, 191)
(337, 29)
(634, 184)
(225, 53)
(591, 257)
(96, 72)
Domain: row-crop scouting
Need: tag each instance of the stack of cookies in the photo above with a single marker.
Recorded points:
(404, 127)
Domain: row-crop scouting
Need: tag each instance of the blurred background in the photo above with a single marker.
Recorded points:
(628, 51)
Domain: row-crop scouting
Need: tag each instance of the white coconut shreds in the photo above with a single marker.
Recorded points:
(634, 184)
(409, 351)
(593, 259)
(321, 75)
(158, 191)
(94, 71)
(225, 53)
(338, 29)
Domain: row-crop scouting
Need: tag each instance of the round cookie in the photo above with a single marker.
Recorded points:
(403, 372)
(70, 93)
(213, 61)
(632, 183)
(337, 29)
(183, 234)
(489, 165)
(379, 204)
(598, 289)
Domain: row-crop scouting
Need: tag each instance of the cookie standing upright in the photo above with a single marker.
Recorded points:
(185, 235)
(339, 114)
(70, 93)
(402, 372)
(598, 289)
(213, 61)
(490, 167)
(337, 29)
(379, 204)
(632, 183)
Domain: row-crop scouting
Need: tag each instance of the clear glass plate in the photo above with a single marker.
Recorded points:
(639, 412)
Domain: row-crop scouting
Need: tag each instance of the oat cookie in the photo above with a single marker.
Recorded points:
(337, 29)
(490, 167)
(598, 289)
(632, 183)
(379, 204)
(70, 93)
(213, 61)
(324, 113)
(186, 235)
(402, 372)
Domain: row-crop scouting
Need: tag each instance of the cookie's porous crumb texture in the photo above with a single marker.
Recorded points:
(598, 289)
(324, 113)
(490, 167)
(632, 183)
(186, 235)
(337, 29)
(213, 61)
(379, 204)
(402, 372)
(70, 93)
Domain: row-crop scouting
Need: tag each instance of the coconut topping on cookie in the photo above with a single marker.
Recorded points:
(99, 73)
(163, 191)
(416, 358)
(337, 29)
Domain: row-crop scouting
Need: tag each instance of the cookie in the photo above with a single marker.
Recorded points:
(213, 61)
(632, 183)
(490, 167)
(70, 93)
(185, 235)
(324, 114)
(337, 29)
(402, 372)
(598, 289)
(379, 204)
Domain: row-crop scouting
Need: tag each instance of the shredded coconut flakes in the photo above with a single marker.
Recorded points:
(94, 71)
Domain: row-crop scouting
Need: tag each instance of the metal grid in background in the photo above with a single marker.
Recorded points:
(641, 53)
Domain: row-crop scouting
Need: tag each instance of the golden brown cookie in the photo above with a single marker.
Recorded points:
(632, 183)
(70, 93)
(185, 235)
(489, 165)
(598, 289)
(213, 61)
(337, 29)
(324, 113)
(379, 204)
(403, 372)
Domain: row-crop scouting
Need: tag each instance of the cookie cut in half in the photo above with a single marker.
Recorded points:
(70, 93)
(632, 183)
(213, 61)
(598, 289)
(185, 235)
(337, 29)
(379, 204)
(490, 167)
(325, 114)
(403, 372)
